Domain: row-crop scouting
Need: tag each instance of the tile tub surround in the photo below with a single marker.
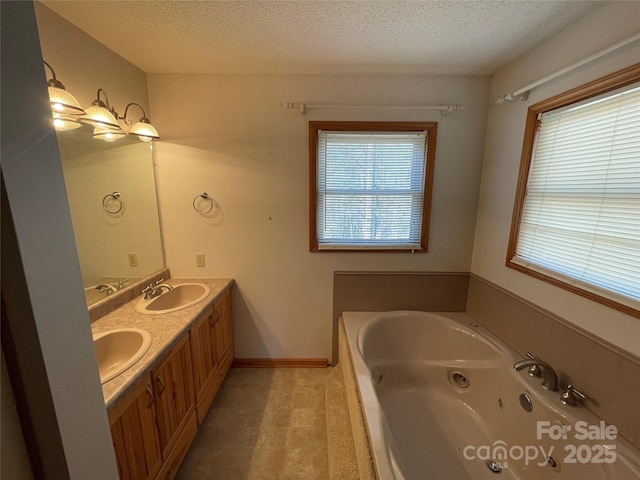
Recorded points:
(384, 291)
(608, 375)
(166, 329)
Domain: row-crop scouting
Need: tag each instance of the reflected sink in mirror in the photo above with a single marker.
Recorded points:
(91, 295)
(182, 296)
(117, 350)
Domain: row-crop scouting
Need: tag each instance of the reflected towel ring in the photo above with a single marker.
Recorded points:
(204, 196)
(115, 196)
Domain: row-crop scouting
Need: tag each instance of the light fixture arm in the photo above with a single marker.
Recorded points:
(98, 102)
(53, 82)
(128, 121)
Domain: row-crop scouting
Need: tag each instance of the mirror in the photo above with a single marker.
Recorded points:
(112, 197)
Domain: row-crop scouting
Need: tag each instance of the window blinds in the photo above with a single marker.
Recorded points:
(370, 189)
(581, 216)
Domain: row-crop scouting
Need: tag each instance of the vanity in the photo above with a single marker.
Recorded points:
(161, 358)
(156, 405)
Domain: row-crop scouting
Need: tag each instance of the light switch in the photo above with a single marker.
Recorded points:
(199, 259)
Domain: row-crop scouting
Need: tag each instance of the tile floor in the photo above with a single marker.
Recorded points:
(265, 423)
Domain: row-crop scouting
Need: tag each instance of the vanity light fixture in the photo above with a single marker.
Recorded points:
(145, 131)
(104, 118)
(64, 107)
(100, 114)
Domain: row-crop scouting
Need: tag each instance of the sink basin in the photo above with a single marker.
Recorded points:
(182, 296)
(117, 350)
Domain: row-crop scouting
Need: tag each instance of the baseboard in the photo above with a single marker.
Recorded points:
(280, 362)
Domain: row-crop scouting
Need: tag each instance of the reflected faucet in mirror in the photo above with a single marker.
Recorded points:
(106, 288)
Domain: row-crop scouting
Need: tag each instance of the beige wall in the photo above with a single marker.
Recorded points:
(83, 65)
(227, 135)
(605, 26)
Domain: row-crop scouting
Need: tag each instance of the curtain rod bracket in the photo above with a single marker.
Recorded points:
(510, 97)
(293, 105)
(451, 108)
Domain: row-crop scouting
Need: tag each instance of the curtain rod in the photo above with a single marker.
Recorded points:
(303, 107)
(523, 93)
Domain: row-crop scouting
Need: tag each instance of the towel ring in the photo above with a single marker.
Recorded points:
(204, 196)
(115, 196)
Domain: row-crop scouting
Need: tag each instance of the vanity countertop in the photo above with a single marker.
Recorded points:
(166, 330)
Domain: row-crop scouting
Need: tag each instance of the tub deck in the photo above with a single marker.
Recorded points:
(440, 399)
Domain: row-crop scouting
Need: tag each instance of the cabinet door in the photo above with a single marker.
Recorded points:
(222, 329)
(224, 310)
(173, 385)
(202, 350)
(211, 339)
(134, 435)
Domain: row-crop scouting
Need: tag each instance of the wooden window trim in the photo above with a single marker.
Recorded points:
(430, 127)
(616, 80)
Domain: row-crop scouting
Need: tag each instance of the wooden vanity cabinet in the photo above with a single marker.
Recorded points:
(134, 434)
(212, 352)
(153, 427)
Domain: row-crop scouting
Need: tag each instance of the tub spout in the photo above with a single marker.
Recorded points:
(550, 379)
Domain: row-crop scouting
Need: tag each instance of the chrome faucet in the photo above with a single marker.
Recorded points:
(572, 397)
(550, 379)
(154, 289)
(105, 287)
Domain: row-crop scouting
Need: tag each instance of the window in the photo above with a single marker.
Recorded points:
(370, 185)
(576, 220)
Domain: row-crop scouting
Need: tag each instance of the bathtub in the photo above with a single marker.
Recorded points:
(442, 401)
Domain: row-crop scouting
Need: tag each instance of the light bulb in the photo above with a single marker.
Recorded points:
(107, 134)
(64, 122)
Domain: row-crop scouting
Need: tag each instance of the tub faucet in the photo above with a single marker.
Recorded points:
(550, 379)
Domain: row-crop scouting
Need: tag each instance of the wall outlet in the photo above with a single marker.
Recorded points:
(199, 259)
(133, 259)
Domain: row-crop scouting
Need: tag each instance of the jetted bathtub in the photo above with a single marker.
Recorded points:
(442, 401)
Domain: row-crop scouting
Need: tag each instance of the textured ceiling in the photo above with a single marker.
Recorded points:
(432, 37)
